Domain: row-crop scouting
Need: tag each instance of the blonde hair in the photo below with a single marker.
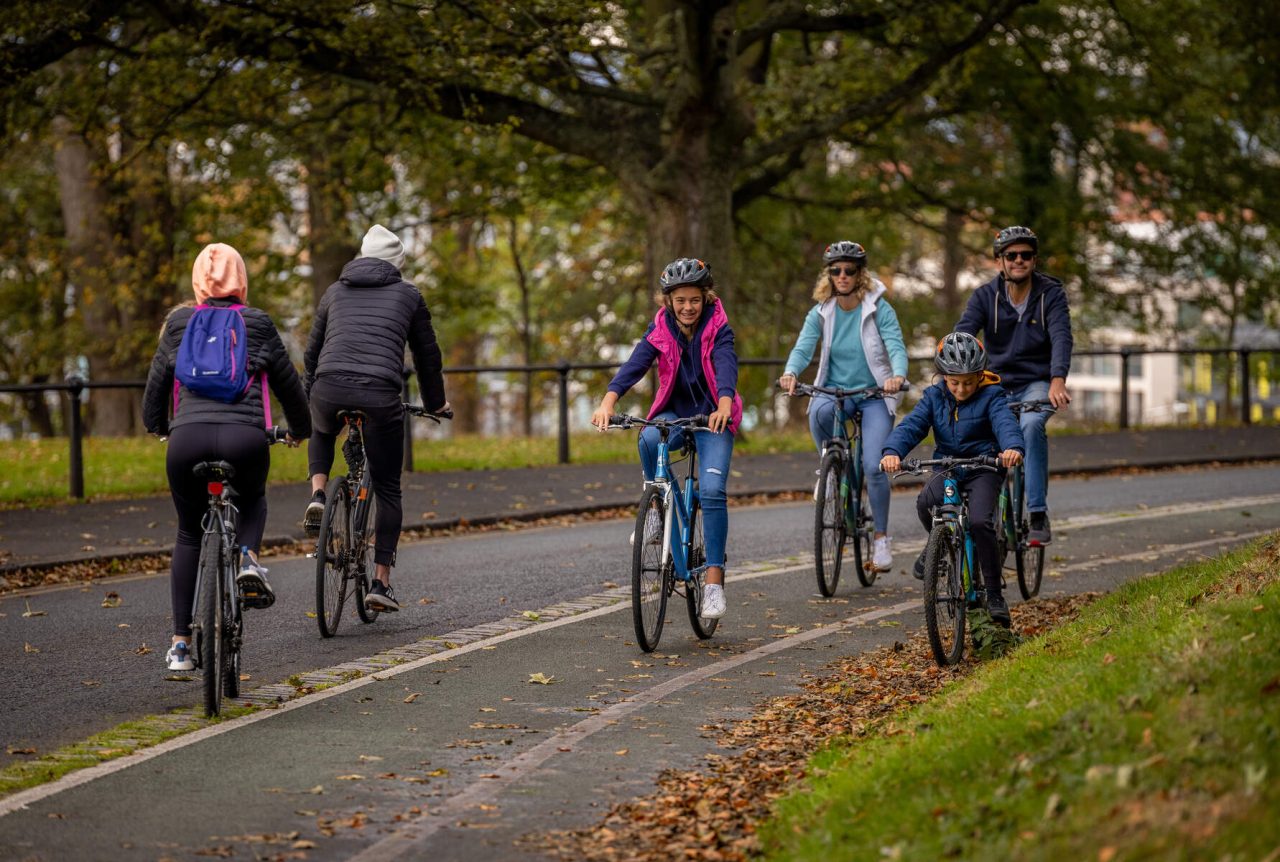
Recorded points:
(824, 289)
(708, 295)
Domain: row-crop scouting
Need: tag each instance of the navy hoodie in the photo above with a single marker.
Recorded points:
(1038, 347)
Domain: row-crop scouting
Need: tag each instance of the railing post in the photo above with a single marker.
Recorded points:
(1124, 386)
(408, 425)
(562, 368)
(76, 430)
(1245, 405)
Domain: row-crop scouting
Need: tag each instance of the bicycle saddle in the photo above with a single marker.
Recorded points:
(217, 470)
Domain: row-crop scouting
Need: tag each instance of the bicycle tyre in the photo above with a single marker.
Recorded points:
(702, 627)
(209, 618)
(1030, 568)
(332, 557)
(233, 636)
(828, 524)
(650, 579)
(944, 599)
(863, 535)
(1006, 535)
(365, 553)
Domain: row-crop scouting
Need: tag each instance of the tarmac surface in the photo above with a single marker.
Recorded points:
(76, 532)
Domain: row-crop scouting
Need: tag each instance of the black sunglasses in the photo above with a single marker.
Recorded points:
(1019, 255)
(842, 270)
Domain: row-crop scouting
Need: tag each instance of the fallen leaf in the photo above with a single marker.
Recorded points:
(426, 601)
(311, 615)
(413, 696)
(488, 709)
(90, 682)
(541, 678)
(26, 647)
(1106, 854)
(142, 650)
(177, 678)
(20, 750)
(317, 790)
(122, 625)
(531, 615)
(303, 844)
(1108, 658)
(793, 630)
(438, 773)
(369, 758)
(622, 752)
(30, 613)
(355, 776)
(112, 600)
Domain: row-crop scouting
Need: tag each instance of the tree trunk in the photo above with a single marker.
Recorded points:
(91, 249)
(952, 264)
(329, 246)
(464, 390)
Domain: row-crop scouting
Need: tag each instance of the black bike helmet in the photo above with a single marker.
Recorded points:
(685, 271)
(960, 353)
(845, 250)
(1014, 235)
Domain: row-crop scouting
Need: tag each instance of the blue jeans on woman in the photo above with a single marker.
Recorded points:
(877, 422)
(1036, 440)
(714, 452)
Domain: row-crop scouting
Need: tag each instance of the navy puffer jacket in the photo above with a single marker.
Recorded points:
(983, 424)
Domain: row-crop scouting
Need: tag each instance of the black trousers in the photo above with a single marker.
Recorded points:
(984, 492)
(245, 448)
(383, 449)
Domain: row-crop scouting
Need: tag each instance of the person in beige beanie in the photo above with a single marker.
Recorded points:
(384, 245)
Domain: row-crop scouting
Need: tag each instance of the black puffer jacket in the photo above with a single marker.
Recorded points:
(265, 351)
(361, 327)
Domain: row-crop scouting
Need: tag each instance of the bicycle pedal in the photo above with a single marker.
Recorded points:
(257, 601)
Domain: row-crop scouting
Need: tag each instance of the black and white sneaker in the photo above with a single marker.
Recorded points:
(315, 512)
(1039, 532)
(917, 570)
(998, 608)
(251, 581)
(381, 598)
(179, 657)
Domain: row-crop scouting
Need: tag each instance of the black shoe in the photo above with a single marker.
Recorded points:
(918, 569)
(1039, 534)
(381, 598)
(998, 608)
(315, 511)
(251, 581)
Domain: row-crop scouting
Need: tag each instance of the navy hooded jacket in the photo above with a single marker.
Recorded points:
(1037, 347)
(982, 424)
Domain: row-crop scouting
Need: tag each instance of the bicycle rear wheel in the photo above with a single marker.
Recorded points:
(944, 599)
(209, 619)
(1030, 563)
(702, 627)
(828, 525)
(863, 534)
(233, 639)
(365, 534)
(650, 579)
(333, 557)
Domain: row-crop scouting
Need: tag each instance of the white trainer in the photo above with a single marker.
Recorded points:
(652, 527)
(882, 554)
(713, 602)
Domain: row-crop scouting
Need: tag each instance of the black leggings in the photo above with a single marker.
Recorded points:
(383, 449)
(245, 448)
(984, 491)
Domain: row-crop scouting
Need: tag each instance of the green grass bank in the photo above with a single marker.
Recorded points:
(1147, 729)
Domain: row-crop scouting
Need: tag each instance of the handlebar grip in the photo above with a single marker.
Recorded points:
(699, 421)
(277, 434)
(619, 419)
(990, 461)
(445, 414)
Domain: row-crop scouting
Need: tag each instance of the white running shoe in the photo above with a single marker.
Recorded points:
(882, 554)
(713, 603)
(179, 657)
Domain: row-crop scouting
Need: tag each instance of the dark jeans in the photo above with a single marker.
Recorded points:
(245, 448)
(984, 492)
(383, 449)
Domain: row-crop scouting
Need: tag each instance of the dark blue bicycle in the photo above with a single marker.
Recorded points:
(1015, 525)
(951, 581)
(668, 551)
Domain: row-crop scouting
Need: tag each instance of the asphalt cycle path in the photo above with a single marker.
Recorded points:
(458, 755)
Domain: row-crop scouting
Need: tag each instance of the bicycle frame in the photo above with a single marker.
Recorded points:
(953, 511)
(678, 507)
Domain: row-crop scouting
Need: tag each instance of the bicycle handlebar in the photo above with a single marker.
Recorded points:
(277, 434)
(983, 462)
(419, 410)
(624, 421)
(1041, 406)
(809, 389)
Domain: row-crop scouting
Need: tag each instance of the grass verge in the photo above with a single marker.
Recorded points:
(35, 472)
(1148, 728)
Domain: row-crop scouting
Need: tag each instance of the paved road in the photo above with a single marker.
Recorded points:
(477, 715)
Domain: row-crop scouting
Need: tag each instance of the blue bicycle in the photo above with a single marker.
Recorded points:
(668, 550)
(951, 582)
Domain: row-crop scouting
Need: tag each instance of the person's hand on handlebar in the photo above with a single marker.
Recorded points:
(1058, 394)
(291, 441)
(893, 384)
(1010, 458)
(890, 464)
(719, 420)
(600, 418)
(787, 383)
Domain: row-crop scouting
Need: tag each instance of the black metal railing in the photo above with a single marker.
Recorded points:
(1241, 390)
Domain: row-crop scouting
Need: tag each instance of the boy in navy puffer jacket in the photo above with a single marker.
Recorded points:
(969, 415)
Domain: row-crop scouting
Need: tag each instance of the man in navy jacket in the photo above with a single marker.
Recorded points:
(1026, 328)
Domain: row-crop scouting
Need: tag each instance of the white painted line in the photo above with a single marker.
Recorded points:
(411, 837)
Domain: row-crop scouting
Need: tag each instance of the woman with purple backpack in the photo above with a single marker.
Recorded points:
(201, 427)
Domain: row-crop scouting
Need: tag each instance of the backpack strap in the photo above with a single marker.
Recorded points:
(266, 399)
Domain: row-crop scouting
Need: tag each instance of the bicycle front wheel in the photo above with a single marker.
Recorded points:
(828, 525)
(944, 598)
(650, 580)
(333, 557)
(702, 627)
(1030, 568)
(208, 617)
(366, 512)
(863, 533)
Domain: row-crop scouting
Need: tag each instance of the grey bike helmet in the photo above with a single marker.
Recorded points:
(1014, 235)
(845, 250)
(685, 271)
(960, 353)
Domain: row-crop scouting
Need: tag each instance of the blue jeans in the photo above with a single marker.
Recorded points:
(876, 425)
(1036, 441)
(714, 452)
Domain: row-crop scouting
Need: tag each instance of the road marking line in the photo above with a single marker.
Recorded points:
(411, 837)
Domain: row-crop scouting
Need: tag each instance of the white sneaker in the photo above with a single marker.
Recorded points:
(653, 527)
(179, 657)
(882, 554)
(713, 603)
